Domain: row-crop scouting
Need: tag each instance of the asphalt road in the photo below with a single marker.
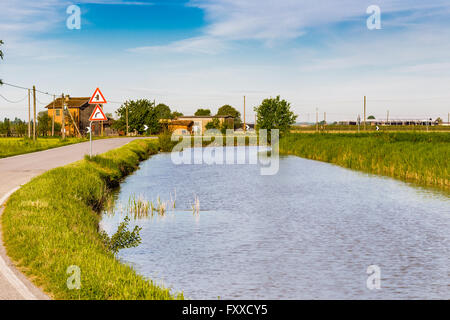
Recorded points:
(18, 170)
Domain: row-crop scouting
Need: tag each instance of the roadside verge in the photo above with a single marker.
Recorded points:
(51, 223)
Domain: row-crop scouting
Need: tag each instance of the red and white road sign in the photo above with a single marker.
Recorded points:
(98, 115)
(97, 97)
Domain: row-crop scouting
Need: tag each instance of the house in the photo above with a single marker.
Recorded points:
(77, 116)
(180, 127)
(200, 122)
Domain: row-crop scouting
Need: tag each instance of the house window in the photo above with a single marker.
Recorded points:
(58, 112)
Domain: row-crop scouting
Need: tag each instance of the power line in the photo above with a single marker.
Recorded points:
(10, 101)
(24, 88)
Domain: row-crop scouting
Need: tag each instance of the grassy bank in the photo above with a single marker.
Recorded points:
(15, 146)
(51, 223)
(418, 157)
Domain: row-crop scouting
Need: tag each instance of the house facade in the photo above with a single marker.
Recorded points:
(80, 110)
(199, 122)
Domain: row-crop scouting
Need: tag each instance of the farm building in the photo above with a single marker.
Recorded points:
(77, 115)
(200, 122)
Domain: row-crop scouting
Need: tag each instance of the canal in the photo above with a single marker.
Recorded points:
(309, 232)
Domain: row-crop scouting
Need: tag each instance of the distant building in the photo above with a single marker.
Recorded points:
(200, 122)
(393, 122)
(81, 110)
(180, 127)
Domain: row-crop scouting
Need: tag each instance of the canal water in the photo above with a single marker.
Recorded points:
(309, 232)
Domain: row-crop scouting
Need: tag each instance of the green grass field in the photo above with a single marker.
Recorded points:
(418, 157)
(15, 146)
(52, 223)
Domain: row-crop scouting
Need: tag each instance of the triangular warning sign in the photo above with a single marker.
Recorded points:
(98, 115)
(97, 97)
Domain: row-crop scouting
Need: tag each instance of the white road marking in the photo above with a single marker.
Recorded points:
(6, 270)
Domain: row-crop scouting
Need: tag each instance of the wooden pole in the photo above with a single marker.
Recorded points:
(324, 120)
(364, 113)
(53, 117)
(29, 113)
(317, 119)
(387, 117)
(127, 118)
(63, 122)
(101, 106)
(245, 126)
(34, 112)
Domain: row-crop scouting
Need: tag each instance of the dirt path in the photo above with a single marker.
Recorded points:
(18, 170)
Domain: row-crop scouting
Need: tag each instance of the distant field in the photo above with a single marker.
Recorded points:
(418, 157)
(15, 146)
(352, 128)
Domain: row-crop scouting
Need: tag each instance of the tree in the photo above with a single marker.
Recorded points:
(44, 123)
(163, 111)
(227, 110)
(370, 118)
(274, 113)
(20, 127)
(439, 120)
(214, 124)
(203, 112)
(175, 115)
(140, 112)
(5, 127)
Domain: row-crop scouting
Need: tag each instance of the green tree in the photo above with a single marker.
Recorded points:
(140, 113)
(175, 115)
(214, 124)
(370, 118)
(274, 113)
(439, 120)
(44, 123)
(228, 110)
(20, 127)
(163, 111)
(203, 112)
(5, 127)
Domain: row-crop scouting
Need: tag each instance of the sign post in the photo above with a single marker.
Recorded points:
(97, 115)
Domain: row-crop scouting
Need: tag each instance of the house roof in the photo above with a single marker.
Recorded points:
(181, 123)
(74, 102)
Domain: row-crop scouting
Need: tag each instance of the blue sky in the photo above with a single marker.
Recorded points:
(206, 53)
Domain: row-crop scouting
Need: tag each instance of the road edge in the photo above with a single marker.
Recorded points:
(8, 269)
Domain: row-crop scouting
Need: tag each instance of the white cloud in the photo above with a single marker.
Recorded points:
(204, 45)
(271, 21)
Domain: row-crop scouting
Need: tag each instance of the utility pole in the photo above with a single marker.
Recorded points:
(317, 120)
(63, 122)
(324, 120)
(34, 112)
(53, 117)
(29, 114)
(364, 113)
(448, 118)
(127, 117)
(387, 117)
(245, 127)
